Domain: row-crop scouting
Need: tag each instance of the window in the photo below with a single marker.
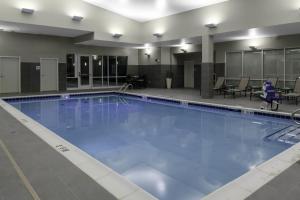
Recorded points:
(234, 65)
(274, 65)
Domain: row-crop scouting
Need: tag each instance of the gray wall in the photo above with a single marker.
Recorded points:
(33, 47)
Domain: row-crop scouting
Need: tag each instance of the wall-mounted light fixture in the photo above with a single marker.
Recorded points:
(211, 25)
(27, 11)
(183, 50)
(148, 52)
(253, 48)
(158, 35)
(77, 18)
(117, 35)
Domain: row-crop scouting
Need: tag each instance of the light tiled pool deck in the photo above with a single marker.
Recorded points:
(54, 177)
(194, 95)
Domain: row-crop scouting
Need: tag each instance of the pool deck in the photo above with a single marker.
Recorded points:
(194, 95)
(51, 176)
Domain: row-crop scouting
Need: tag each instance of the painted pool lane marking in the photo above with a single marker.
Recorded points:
(20, 173)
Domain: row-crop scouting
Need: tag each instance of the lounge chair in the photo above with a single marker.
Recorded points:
(219, 86)
(260, 92)
(243, 86)
(296, 92)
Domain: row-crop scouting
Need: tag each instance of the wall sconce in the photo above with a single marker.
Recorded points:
(27, 11)
(117, 35)
(148, 52)
(158, 35)
(253, 48)
(211, 26)
(77, 18)
(183, 50)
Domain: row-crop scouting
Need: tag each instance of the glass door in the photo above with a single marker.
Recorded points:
(97, 71)
(72, 72)
(121, 69)
(105, 71)
(84, 72)
(112, 63)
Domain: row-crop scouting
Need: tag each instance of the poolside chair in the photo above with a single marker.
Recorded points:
(296, 92)
(243, 86)
(219, 86)
(260, 92)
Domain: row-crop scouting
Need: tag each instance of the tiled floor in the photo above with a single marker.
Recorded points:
(53, 177)
(284, 187)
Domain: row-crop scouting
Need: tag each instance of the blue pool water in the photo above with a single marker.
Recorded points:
(173, 152)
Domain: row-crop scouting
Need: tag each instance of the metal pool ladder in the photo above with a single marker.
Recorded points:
(293, 116)
(125, 87)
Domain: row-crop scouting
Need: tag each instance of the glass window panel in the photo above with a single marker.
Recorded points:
(274, 66)
(122, 65)
(234, 65)
(122, 69)
(252, 65)
(105, 70)
(85, 70)
(97, 70)
(71, 64)
(112, 70)
(72, 82)
(292, 69)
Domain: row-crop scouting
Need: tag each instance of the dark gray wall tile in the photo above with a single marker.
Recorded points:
(220, 69)
(30, 77)
(62, 75)
(197, 76)
(207, 71)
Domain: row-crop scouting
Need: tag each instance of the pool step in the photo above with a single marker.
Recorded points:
(288, 135)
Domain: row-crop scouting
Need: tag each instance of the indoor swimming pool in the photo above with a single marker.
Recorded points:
(172, 150)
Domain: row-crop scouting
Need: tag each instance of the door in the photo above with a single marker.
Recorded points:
(97, 71)
(9, 74)
(49, 74)
(189, 74)
(84, 72)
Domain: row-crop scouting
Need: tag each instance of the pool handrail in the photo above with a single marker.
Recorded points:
(293, 116)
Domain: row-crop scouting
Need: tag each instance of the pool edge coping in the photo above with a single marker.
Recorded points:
(240, 188)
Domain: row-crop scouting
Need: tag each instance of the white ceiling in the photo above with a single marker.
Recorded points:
(145, 10)
(40, 30)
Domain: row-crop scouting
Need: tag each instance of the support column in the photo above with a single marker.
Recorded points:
(207, 68)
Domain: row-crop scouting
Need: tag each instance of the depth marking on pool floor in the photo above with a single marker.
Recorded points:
(20, 173)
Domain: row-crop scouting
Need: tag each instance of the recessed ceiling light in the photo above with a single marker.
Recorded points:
(211, 25)
(77, 18)
(117, 35)
(27, 11)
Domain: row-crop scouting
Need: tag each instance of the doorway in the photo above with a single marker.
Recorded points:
(84, 71)
(9, 74)
(49, 74)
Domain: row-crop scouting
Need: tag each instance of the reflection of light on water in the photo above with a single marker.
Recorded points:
(259, 159)
(259, 123)
(149, 178)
